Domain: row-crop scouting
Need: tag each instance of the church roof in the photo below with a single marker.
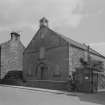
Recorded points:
(76, 44)
(67, 39)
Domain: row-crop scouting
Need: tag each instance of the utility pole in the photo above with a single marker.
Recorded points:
(90, 70)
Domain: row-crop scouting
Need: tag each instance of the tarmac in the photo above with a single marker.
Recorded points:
(19, 95)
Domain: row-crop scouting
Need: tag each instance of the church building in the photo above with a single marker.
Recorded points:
(51, 58)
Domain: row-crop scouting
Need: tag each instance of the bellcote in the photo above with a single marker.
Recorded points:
(43, 22)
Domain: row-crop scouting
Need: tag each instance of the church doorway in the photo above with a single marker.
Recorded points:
(42, 71)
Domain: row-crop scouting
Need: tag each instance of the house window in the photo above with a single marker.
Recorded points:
(42, 52)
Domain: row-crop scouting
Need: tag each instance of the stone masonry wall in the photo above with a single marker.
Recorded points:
(74, 57)
(11, 56)
(56, 60)
(55, 56)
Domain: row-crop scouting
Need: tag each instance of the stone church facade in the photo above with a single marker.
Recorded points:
(51, 58)
(11, 55)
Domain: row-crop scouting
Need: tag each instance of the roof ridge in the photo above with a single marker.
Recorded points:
(75, 43)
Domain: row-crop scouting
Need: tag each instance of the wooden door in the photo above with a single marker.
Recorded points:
(42, 72)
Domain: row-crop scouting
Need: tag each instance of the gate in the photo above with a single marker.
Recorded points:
(87, 81)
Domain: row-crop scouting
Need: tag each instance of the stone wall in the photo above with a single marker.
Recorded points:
(56, 85)
(49, 48)
(11, 56)
(101, 76)
(76, 53)
(83, 77)
(56, 60)
(74, 57)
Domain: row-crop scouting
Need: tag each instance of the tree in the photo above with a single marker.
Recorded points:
(94, 65)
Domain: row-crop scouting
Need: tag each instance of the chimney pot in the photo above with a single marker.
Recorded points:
(15, 36)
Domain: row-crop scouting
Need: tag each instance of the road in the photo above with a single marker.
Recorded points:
(23, 96)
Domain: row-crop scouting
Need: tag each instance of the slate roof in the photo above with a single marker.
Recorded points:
(69, 40)
(76, 44)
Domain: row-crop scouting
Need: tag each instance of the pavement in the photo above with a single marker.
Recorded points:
(18, 95)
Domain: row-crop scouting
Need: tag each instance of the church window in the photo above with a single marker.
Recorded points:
(42, 52)
(42, 36)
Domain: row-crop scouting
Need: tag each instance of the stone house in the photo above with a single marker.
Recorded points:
(51, 58)
(11, 55)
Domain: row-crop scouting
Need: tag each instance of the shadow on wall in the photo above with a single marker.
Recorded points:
(13, 78)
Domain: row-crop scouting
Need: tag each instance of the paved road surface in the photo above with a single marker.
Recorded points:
(20, 96)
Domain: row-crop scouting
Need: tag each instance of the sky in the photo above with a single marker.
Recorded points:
(81, 20)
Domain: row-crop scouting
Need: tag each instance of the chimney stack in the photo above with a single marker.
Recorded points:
(43, 22)
(15, 36)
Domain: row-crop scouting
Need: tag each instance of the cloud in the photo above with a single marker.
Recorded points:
(58, 11)
(23, 15)
(100, 47)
